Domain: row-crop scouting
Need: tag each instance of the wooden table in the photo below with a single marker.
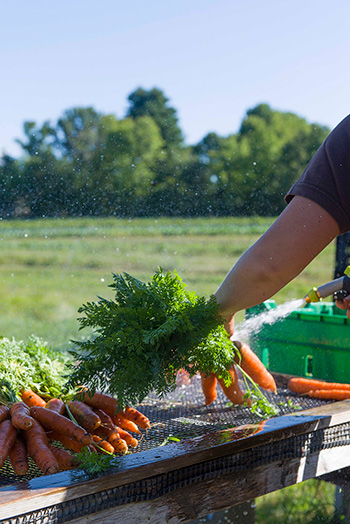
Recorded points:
(181, 481)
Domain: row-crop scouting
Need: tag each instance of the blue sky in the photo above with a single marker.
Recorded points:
(213, 59)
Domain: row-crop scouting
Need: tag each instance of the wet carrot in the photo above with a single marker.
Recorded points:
(107, 429)
(8, 434)
(104, 444)
(329, 394)
(252, 365)
(100, 401)
(84, 415)
(52, 420)
(69, 443)
(303, 385)
(64, 458)
(32, 399)
(19, 456)
(4, 413)
(209, 383)
(57, 405)
(129, 439)
(233, 391)
(20, 416)
(135, 416)
(38, 449)
(126, 424)
(119, 445)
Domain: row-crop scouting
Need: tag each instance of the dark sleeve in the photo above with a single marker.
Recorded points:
(326, 179)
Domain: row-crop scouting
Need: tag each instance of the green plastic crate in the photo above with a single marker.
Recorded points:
(313, 341)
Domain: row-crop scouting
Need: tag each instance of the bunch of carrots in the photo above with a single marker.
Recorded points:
(31, 426)
(319, 388)
(252, 367)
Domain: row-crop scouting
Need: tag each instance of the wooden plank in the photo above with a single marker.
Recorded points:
(45, 491)
(222, 492)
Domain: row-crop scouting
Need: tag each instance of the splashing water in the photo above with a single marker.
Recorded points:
(253, 325)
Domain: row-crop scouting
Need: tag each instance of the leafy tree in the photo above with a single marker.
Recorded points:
(154, 104)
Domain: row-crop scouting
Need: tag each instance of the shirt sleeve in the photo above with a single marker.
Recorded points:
(326, 179)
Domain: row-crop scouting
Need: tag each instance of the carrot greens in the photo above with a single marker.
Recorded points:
(145, 334)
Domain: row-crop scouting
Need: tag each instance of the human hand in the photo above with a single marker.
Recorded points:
(344, 304)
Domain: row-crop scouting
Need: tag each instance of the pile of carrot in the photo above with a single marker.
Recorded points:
(319, 388)
(250, 363)
(32, 426)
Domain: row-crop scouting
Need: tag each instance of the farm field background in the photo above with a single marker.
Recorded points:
(49, 268)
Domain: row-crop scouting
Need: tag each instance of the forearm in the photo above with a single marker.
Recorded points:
(289, 245)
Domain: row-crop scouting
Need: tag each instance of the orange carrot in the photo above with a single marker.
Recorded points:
(32, 399)
(209, 383)
(303, 385)
(57, 405)
(107, 429)
(135, 416)
(252, 365)
(119, 445)
(233, 391)
(69, 443)
(100, 401)
(4, 413)
(20, 416)
(104, 444)
(129, 439)
(38, 449)
(84, 415)
(8, 434)
(329, 394)
(64, 458)
(19, 456)
(52, 420)
(124, 423)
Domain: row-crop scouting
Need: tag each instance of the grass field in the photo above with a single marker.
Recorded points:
(48, 268)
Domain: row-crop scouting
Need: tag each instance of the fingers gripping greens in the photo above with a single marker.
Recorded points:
(148, 332)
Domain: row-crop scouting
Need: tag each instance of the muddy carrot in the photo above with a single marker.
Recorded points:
(20, 416)
(8, 434)
(104, 444)
(38, 449)
(135, 416)
(252, 365)
(100, 401)
(129, 439)
(303, 385)
(233, 391)
(107, 429)
(126, 424)
(64, 458)
(329, 394)
(4, 413)
(209, 383)
(57, 405)
(84, 415)
(52, 420)
(69, 443)
(119, 445)
(32, 399)
(19, 456)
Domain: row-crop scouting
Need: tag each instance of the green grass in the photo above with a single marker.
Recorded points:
(48, 268)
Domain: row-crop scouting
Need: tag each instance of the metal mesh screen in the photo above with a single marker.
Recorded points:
(183, 414)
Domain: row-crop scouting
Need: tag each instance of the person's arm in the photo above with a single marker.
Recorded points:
(300, 233)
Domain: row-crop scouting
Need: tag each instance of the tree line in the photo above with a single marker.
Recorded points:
(89, 163)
